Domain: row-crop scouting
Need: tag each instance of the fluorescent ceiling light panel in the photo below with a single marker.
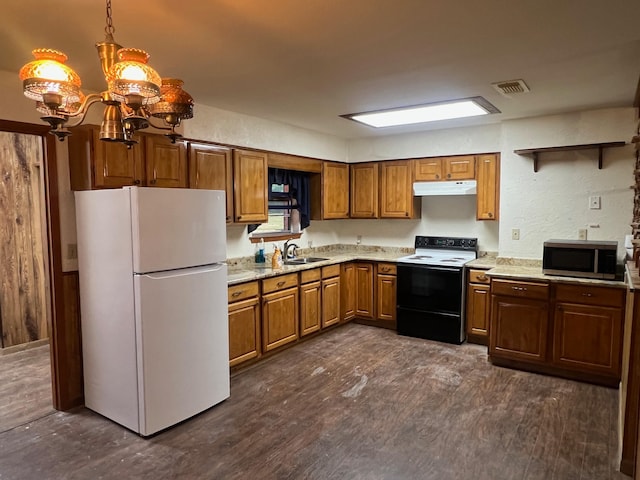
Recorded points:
(468, 107)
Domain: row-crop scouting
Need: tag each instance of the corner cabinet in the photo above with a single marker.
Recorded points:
(210, 167)
(396, 190)
(250, 184)
(488, 188)
(330, 192)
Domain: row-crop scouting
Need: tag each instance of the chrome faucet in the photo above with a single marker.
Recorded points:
(286, 254)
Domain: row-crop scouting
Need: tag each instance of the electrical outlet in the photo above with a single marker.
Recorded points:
(515, 234)
(594, 202)
(358, 239)
(72, 251)
(582, 234)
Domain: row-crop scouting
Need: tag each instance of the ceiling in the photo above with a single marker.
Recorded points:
(306, 62)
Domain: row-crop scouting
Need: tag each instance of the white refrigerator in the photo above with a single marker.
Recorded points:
(153, 298)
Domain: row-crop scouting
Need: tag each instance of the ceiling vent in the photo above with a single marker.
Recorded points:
(511, 87)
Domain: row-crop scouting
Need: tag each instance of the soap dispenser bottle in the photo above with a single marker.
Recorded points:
(276, 259)
(259, 256)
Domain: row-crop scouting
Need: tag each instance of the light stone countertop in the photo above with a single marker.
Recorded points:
(534, 273)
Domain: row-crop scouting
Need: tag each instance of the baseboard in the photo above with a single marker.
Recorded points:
(24, 346)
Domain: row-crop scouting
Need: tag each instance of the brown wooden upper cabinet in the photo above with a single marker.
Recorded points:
(461, 167)
(330, 192)
(488, 178)
(166, 162)
(364, 190)
(250, 184)
(96, 164)
(396, 190)
(210, 167)
(154, 161)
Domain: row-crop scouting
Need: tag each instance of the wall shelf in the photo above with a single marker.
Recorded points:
(535, 152)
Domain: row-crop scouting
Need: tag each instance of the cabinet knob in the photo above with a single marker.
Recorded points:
(437, 176)
(153, 182)
(587, 295)
(490, 215)
(239, 217)
(237, 294)
(136, 182)
(482, 278)
(448, 175)
(228, 218)
(281, 283)
(406, 214)
(520, 289)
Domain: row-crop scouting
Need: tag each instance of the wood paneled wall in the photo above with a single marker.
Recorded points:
(23, 293)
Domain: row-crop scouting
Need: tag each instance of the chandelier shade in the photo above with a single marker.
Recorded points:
(174, 101)
(131, 75)
(48, 74)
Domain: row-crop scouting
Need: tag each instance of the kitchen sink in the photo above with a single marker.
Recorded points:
(303, 260)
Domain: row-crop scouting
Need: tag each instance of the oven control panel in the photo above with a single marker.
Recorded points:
(451, 243)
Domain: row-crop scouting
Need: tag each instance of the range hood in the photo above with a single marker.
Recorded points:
(463, 187)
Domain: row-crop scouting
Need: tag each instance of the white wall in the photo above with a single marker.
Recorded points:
(550, 203)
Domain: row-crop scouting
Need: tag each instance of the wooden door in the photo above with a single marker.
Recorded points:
(588, 338)
(310, 307)
(250, 183)
(519, 329)
(462, 167)
(24, 300)
(330, 301)
(210, 167)
(364, 190)
(386, 296)
(478, 303)
(488, 179)
(364, 290)
(335, 190)
(347, 291)
(396, 189)
(428, 169)
(166, 162)
(279, 318)
(244, 331)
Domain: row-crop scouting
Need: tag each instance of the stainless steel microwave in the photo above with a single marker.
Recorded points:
(580, 258)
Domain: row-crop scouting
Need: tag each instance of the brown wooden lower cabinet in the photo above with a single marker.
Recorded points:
(386, 292)
(244, 323)
(280, 312)
(478, 307)
(348, 291)
(364, 290)
(330, 301)
(310, 305)
(577, 335)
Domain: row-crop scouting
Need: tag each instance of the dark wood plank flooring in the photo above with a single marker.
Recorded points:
(25, 387)
(355, 403)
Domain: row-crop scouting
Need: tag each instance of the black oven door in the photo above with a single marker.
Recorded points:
(430, 302)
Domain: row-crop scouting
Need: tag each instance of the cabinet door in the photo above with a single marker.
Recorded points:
(364, 190)
(335, 190)
(166, 162)
(396, 190)
(279, 318)
(330, 301)
(244, 331)
(364, 290)
(348, 292)
(588, 338)
(462, 167)
(478, 302)
(488, 178)
(386, 297)
(428, 169)
(250, 184)
(519, 329)
(210, 168)
(310, 308)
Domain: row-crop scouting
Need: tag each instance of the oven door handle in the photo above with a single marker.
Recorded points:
(438, 269)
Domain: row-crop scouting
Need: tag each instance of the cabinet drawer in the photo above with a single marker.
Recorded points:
(243, 291)
(591, 295)
(331, 271)
(307, 276)
(537, 291)
(279, 282)
(478, 276)
(387, 268)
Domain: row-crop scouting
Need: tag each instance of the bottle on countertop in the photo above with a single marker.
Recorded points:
(259, 256)
(276, 259)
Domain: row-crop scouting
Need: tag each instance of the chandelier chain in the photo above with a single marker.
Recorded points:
(109, 29)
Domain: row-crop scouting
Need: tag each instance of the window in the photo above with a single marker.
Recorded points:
(283, 212)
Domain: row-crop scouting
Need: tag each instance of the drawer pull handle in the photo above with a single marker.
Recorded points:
(281, 283)
(587, 295)
(237, 294)
(520, 289)
(385, 269)
(482, 278)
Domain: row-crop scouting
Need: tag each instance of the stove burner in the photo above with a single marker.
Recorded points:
(420, 257)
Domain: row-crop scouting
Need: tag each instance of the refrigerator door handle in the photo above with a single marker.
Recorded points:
(184, 271)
